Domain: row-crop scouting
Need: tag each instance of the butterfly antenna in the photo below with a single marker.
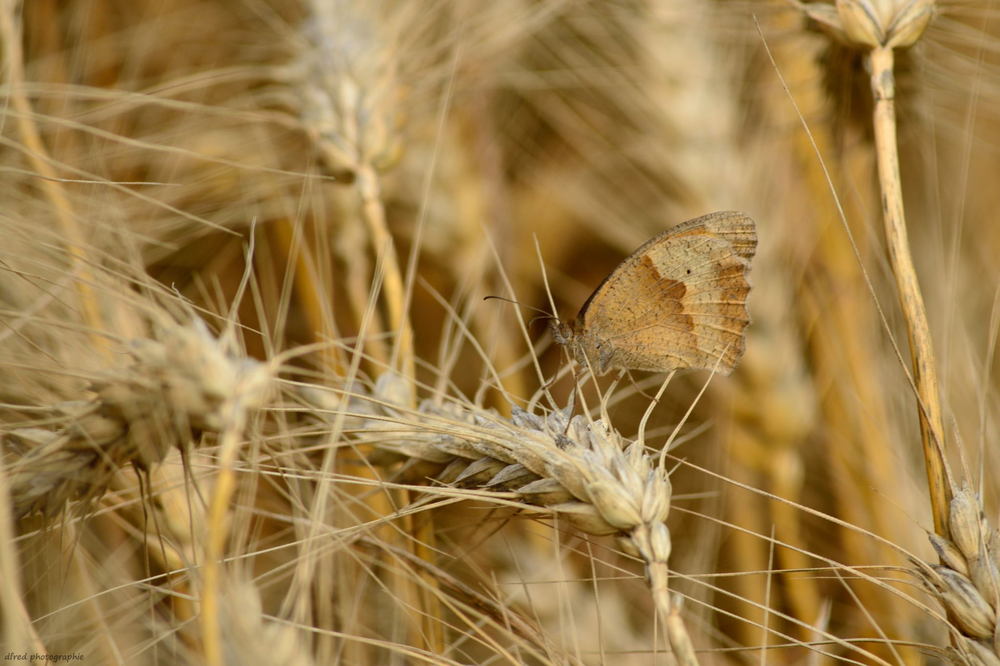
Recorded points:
(522, 327)
(543, 313)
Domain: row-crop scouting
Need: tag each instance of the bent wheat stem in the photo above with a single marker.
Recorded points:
(910, 299)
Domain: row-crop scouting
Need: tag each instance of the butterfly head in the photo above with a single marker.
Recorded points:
(561, 332)
(589, 350)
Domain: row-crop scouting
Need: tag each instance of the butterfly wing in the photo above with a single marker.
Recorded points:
(679, 301)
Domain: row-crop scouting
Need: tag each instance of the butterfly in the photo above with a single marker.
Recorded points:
(679, 301)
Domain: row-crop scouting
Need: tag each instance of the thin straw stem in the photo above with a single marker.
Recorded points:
(48, 180)
(911, 301)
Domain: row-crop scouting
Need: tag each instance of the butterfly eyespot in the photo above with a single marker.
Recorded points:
(689, 271)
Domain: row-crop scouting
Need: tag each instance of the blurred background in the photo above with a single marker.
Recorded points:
(395, 162)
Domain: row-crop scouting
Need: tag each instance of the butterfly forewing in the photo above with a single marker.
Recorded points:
(678, 301)
(737, 228)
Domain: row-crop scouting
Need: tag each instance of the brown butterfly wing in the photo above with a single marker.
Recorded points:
(679, 301)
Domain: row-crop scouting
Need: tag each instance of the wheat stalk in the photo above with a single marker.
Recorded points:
(74, 238)
(881, 27)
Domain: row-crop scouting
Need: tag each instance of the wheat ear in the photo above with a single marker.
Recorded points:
(578, 470)
(967, 580)
(176, 385)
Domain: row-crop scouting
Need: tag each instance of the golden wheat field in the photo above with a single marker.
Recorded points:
(257, 409)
